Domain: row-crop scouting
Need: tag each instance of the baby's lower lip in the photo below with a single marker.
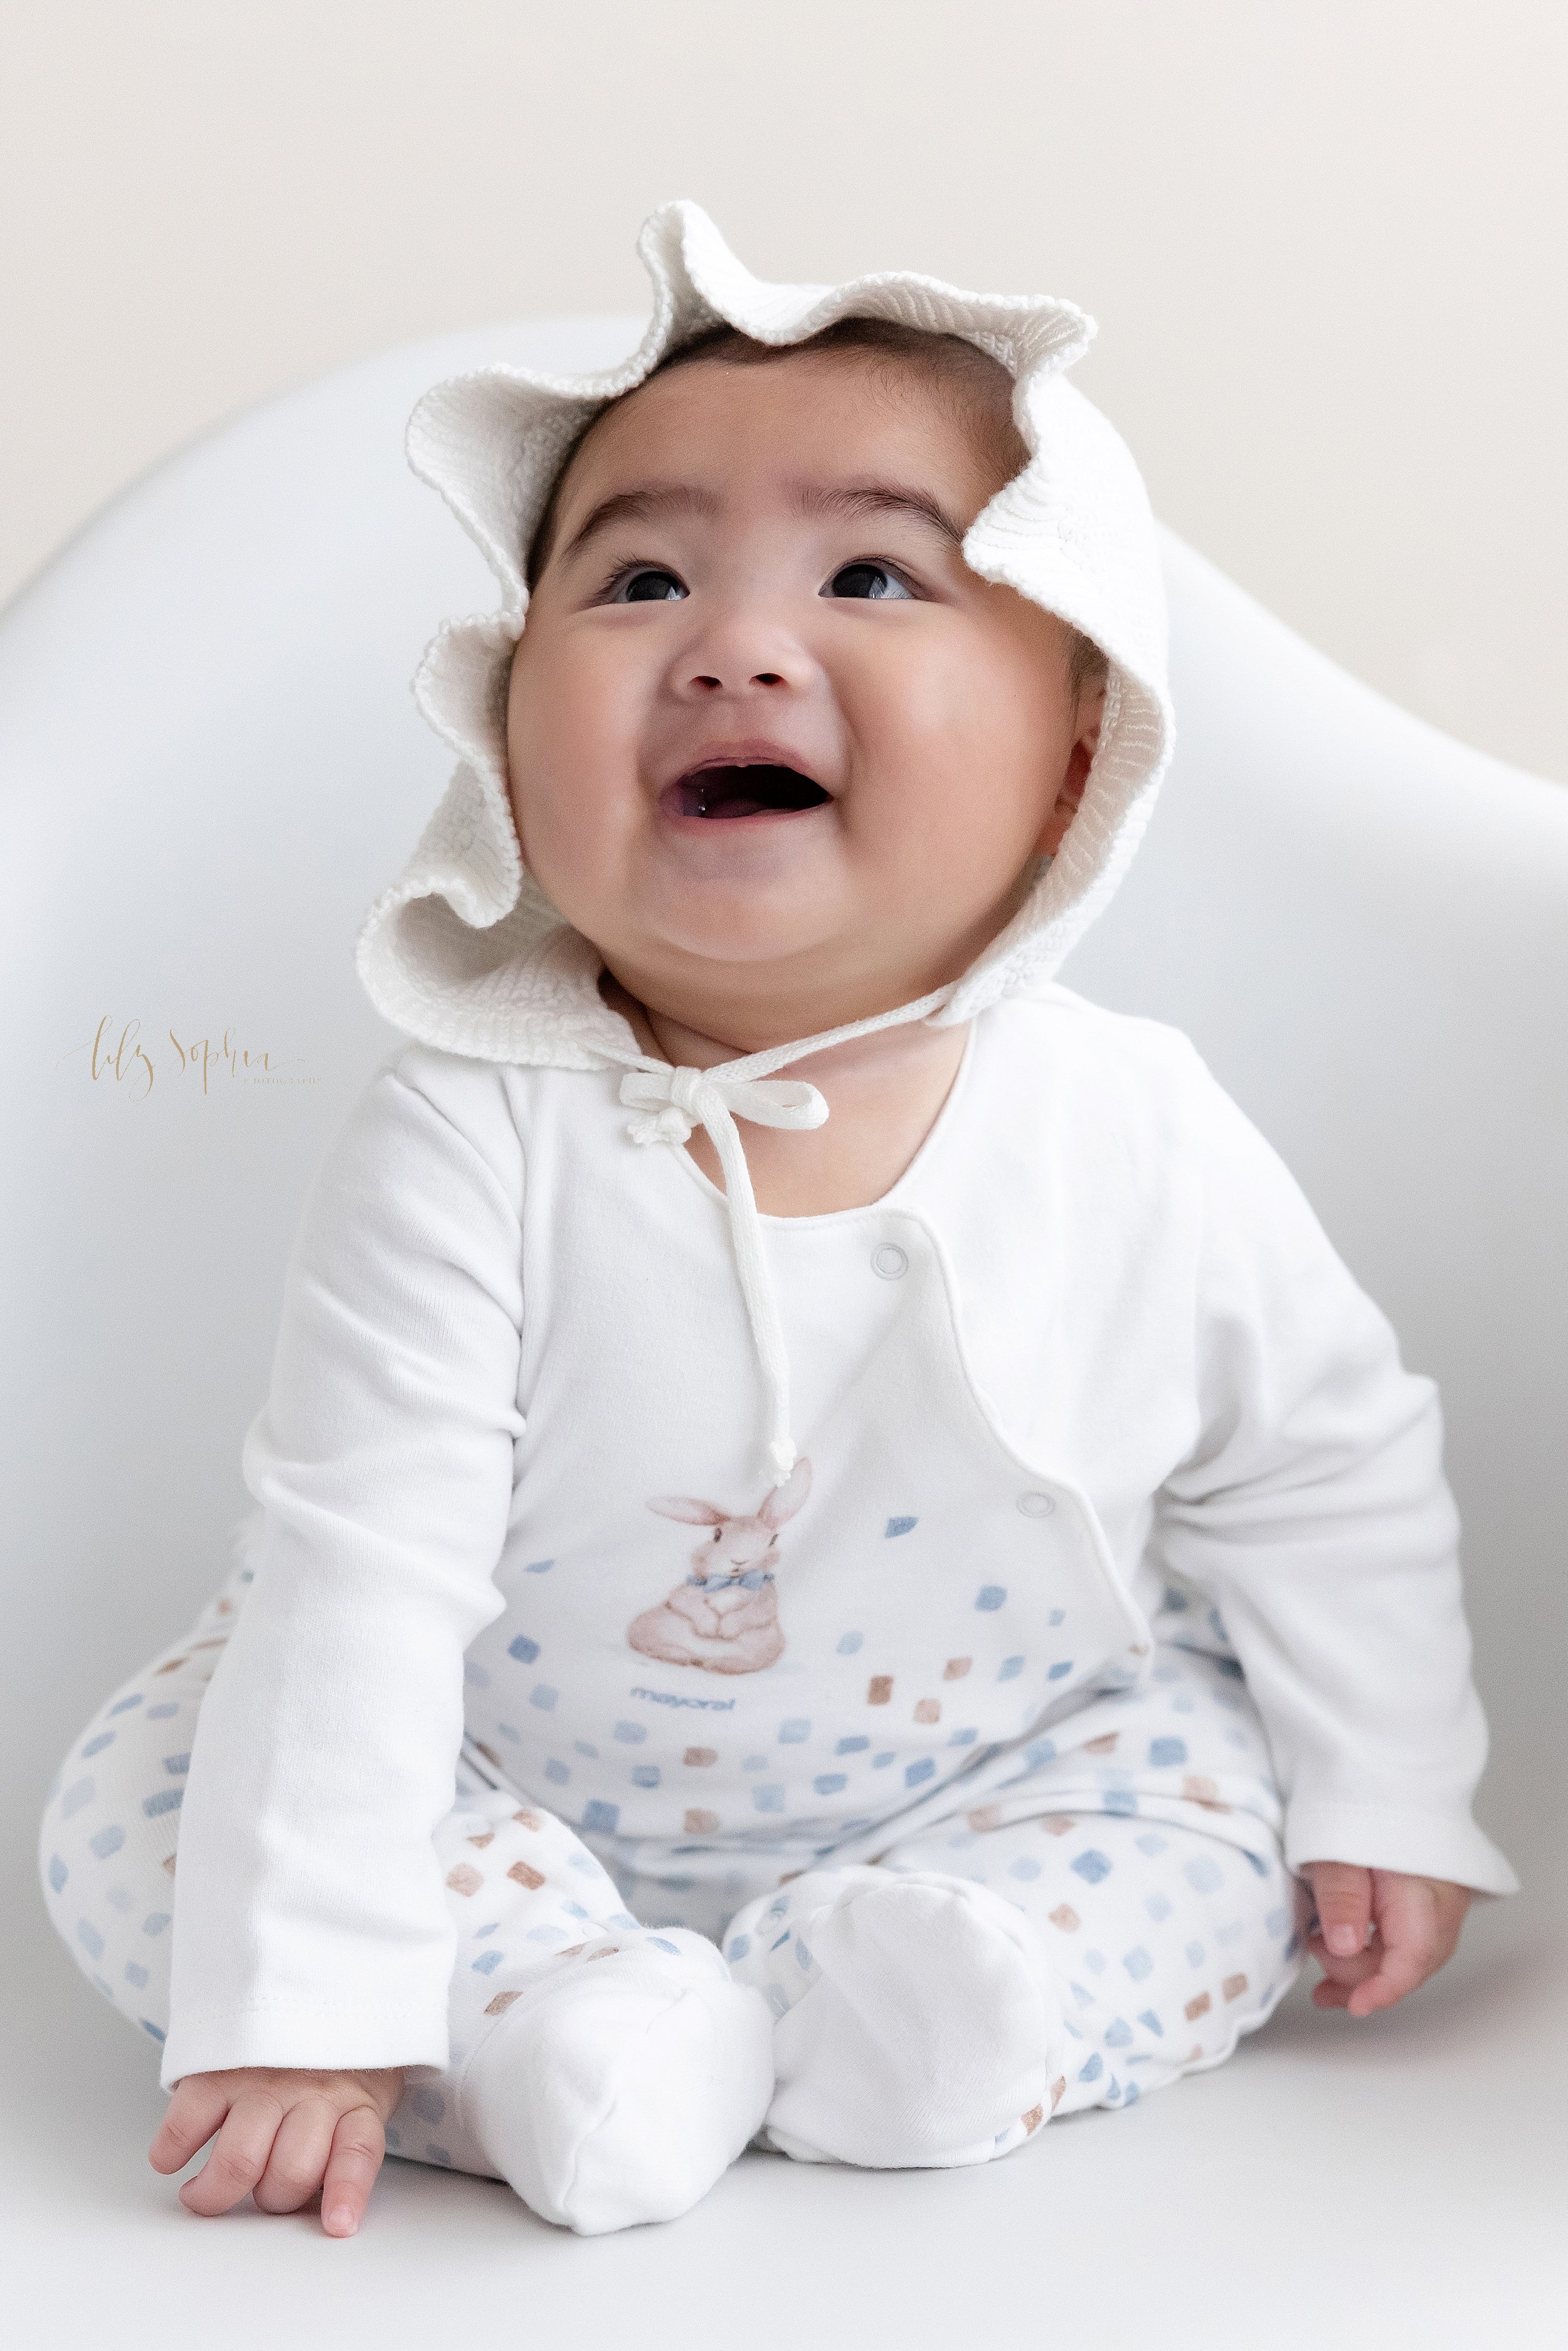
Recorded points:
(729, 794)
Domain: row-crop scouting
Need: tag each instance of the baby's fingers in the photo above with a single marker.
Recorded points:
(1342, 1893)
(298, 2158)
(359, 2144)
(198, 2106)
(1402, 1968)
(238, 2158)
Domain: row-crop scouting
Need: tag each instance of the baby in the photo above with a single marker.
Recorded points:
(859, 1639)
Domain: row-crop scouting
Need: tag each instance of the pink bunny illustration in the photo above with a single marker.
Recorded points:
(725, 1616)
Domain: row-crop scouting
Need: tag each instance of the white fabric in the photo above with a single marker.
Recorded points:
(617, 2090)
(1092, 1354)
(922, 2025)
(671, 1099)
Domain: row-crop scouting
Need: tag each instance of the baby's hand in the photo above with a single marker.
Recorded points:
(284, 2134)
(1416, 1920)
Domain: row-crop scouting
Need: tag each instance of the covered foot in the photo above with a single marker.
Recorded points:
(915, 2026)
(617, 2088)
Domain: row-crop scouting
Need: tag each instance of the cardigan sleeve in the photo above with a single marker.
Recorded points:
(1313, 1510)
(310, 1926)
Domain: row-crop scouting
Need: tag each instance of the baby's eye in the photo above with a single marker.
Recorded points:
(874, 579)
(647, 586)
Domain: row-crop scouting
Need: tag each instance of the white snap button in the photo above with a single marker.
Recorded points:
(888, 1259)
(1035, 1506)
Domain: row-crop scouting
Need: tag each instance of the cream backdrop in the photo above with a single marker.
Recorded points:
(1324, 240)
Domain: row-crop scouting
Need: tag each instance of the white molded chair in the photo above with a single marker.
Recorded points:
(209, 764)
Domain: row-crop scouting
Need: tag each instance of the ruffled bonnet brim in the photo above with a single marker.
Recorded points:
(464, 951)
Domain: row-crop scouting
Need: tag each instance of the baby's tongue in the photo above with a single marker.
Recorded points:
(746, 791)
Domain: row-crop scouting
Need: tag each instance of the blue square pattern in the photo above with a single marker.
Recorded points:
(1091, 1866)
(991, 1596)
(598, 1814)
(1166, 1752)
(558, 1774)
(790, 1734)
(631, 1734)
(523, 1649)
(769, 1796)
(645, 1775)
(914, 1773)
(851, 1746)
(543, 1697)
(899, 1526)
(1138, 1963)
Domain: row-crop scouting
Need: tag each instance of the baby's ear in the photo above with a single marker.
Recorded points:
(691, 1513)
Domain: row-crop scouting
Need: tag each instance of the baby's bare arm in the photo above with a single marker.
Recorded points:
(1380, 1932)
(281, 2134)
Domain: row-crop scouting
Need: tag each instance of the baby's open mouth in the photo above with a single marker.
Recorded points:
(742, 792)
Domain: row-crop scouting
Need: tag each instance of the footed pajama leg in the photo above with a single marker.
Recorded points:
(608, 2072)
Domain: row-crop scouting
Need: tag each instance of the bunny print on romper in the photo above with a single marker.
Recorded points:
(725, 1616)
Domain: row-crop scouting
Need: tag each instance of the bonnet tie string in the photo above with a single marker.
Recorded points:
(669, 1101)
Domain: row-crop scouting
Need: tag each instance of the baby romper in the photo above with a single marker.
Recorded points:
(971, 1643)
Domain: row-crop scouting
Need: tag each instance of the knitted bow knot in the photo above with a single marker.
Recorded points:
(671, 1101)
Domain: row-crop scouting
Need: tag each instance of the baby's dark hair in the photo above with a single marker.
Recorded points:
(975, 388)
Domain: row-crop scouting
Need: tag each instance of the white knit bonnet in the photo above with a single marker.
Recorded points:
(464, 950)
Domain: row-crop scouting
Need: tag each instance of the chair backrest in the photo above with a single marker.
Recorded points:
(211, 764)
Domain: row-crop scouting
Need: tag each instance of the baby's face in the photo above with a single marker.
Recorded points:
(768, 736)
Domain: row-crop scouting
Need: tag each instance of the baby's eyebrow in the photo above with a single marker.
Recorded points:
(639, 505)
(878, 498)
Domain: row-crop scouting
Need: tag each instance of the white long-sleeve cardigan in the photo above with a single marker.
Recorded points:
(505, 1330)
